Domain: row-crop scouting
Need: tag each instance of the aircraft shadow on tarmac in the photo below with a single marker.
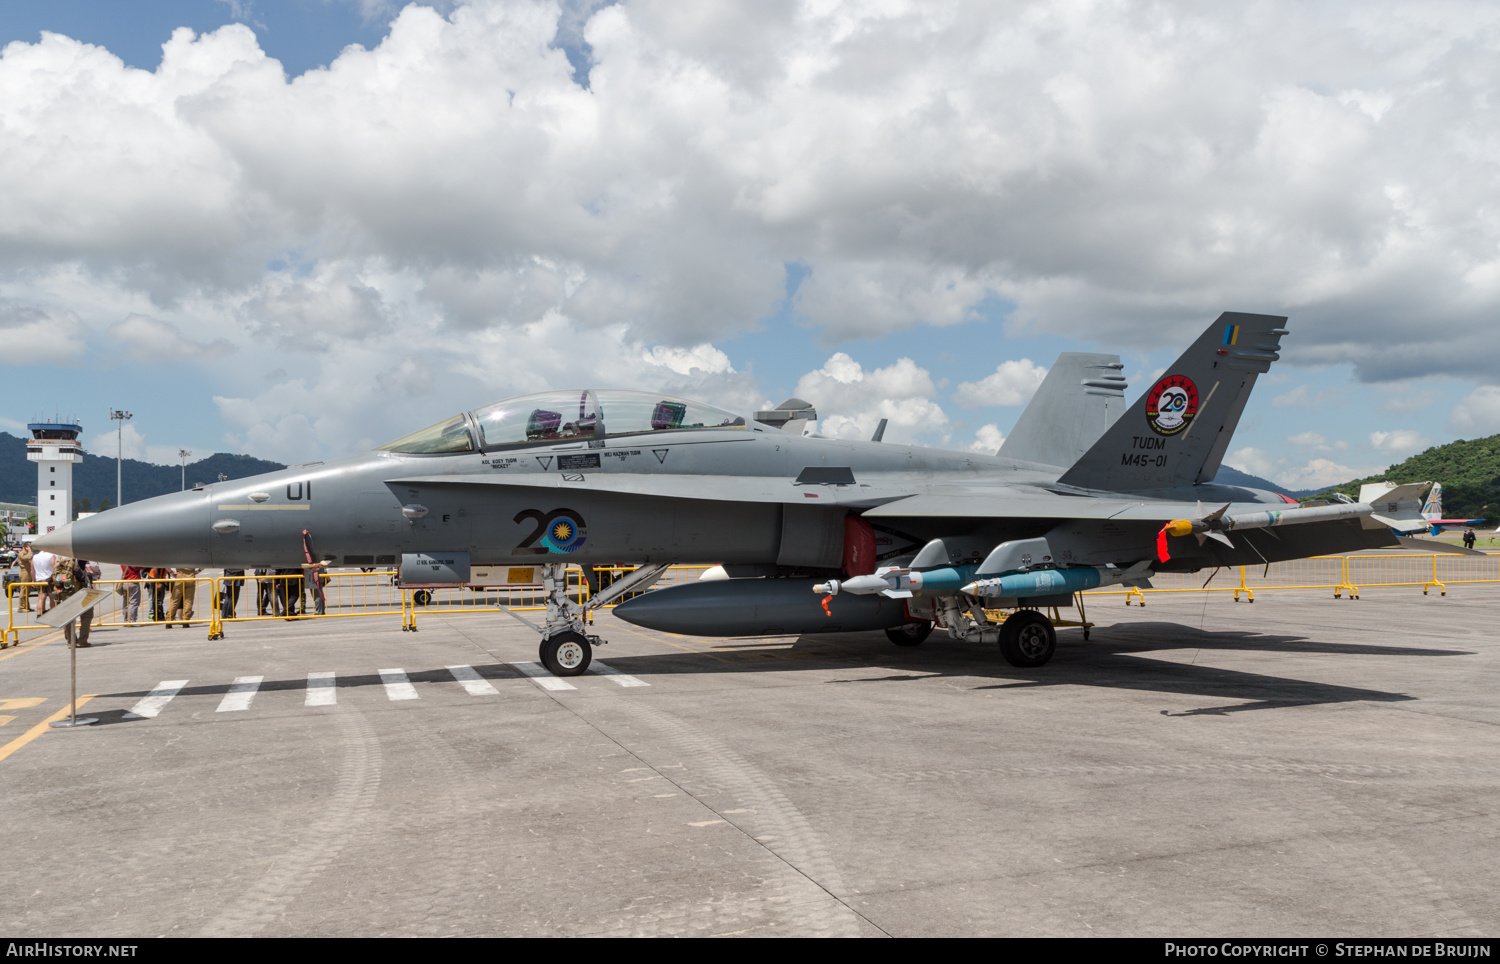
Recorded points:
(1116, 658)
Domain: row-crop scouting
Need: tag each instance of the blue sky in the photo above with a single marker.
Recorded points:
(494, 198)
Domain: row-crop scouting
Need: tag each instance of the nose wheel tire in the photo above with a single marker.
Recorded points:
(1027, 639)
(909, 634)
(567, 654)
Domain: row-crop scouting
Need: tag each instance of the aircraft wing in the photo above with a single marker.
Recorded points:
(1004, 504)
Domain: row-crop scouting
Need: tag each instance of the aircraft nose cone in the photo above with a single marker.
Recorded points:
(169, 530)
(59, 540)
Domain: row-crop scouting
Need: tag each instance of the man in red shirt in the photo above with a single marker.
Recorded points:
(131, 576)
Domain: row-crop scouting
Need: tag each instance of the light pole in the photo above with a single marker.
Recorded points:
(184, 454)
(120, 418)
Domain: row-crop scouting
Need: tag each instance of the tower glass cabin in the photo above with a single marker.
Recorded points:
(54, 448)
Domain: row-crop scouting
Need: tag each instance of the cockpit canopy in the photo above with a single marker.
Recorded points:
(561, 416)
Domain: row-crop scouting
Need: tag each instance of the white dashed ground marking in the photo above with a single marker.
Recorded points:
(615, 676)
(321, 689)
(152, 702)
(542, 678)
(241, 692)
(397, 686)
(472, 682)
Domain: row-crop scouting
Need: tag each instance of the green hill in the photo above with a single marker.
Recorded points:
(94, 480)
(1469, 470)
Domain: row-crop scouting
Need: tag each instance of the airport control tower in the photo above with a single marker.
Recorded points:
(54, 448)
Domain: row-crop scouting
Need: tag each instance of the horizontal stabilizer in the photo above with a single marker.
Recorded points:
(1428, 545)
(1397, 506)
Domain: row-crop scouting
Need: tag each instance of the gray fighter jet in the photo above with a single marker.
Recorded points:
(816, 534)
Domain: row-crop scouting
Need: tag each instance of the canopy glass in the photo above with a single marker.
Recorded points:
(562, 416)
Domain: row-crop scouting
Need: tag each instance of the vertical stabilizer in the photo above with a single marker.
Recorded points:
(1177, 432)
(1080, 397)
(1434, 507)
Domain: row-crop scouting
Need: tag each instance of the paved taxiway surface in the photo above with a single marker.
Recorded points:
(1300, 766)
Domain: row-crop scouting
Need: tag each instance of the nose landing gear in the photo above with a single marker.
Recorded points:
(567, 653)
(567, 650)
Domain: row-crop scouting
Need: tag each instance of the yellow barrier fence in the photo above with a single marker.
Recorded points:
(217, 601)
(1344, 576)
(188, 600)
(478, 600)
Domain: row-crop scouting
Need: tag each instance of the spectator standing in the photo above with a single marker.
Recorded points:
(1469, 538)
(229, 593)
(131, 577)
(184, 589)
(263, 589)
(42, 564)
(69, 576)
(28, 574)
(158, 590)
(314, 579)
(288, 591)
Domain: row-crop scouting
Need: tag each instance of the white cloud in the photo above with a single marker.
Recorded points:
(684, 361)
(1399, 443)
(1012, 383)
(851, 401)
(987, 439)
(40, 336)
(1477, 414)
(1254, 461)
(149, 339)
(129, 442)
(1322, 472)
(1294, 474)
(1304, 397)
(1308, 440)
(1406, 404)
(454, 195)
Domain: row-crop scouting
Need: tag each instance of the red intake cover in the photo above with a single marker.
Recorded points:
(859, 546)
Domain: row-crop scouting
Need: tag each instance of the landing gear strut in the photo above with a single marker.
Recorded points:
(567, 648)
(1027, 638)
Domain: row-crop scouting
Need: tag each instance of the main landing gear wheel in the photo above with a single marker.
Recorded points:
(1027, 639)
(909, 634)
(567, 654)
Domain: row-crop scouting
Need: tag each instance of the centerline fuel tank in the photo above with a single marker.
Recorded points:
(758, 607)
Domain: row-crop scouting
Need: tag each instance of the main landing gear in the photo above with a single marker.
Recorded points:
(909, 634)
(567, 649)
(1027, 638)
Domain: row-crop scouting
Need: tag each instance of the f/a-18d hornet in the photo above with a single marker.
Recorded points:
(816, 534)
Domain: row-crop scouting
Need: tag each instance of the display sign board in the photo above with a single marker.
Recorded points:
(71, 608)
(434, 570)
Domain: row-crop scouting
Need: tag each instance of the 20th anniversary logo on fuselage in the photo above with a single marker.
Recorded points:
(1171, 404)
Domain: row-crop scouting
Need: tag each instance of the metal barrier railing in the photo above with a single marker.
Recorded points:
(217, 601)
(185, 599)
(1343, 575)
(478, 600)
